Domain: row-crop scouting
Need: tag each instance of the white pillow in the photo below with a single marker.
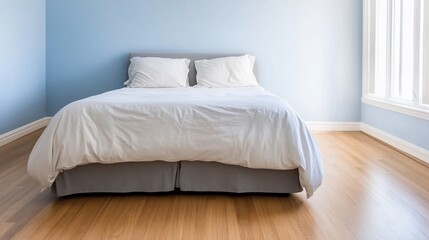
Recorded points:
(226, 72)
(154, 72)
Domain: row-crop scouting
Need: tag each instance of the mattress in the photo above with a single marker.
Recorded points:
(248, 127)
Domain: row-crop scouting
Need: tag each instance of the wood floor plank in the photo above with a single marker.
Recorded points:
(4, 227)
(370, 191)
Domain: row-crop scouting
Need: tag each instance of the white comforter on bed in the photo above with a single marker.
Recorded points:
(248, 127)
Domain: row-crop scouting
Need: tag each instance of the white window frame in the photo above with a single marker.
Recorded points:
(415, 107)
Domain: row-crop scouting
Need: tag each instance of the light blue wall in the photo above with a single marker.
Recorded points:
(22, 62)
(308, 51)
(411, 129)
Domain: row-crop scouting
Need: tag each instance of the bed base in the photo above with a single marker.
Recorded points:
(159, 176)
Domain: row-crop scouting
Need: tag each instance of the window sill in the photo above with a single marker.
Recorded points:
(409, 110)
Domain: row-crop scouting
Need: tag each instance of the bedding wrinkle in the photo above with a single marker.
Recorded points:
(244, 126)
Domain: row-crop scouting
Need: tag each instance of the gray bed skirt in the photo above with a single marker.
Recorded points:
(159, 176)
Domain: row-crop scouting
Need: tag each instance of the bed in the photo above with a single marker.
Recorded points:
(187, 139)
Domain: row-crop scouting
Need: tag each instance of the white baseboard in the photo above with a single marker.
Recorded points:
(398, 143)
(334, 126)
(407, 147)
(10, 136)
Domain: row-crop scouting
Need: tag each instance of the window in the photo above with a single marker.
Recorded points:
(396, 55)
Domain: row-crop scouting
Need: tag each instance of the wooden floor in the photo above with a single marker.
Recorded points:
(369, 192)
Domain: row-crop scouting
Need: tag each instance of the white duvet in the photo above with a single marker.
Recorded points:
(248, 127)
